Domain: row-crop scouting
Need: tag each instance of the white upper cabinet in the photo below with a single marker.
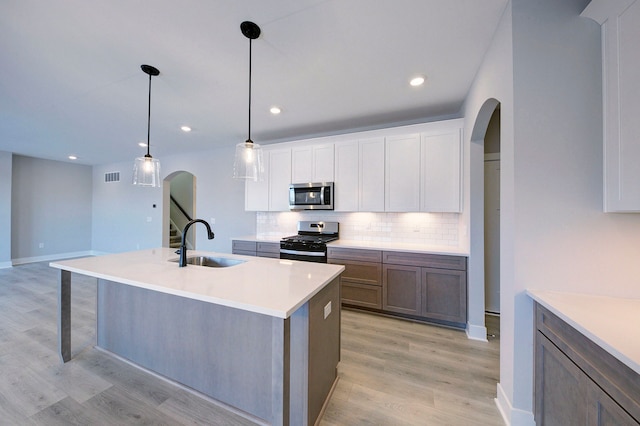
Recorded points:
(301, 164)
(374, 171)
(441, 172)
(371, 168)
(279, 179)
(272, 193)
(402, 173)
(346, 190)
(620, 21)
(256, 193)
(312, 163)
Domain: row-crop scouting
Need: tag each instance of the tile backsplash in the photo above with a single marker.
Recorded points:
(440, 229)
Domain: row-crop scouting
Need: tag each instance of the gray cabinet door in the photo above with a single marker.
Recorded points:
(402, 289)
(604, 411)
(444, 294)
(560, 387)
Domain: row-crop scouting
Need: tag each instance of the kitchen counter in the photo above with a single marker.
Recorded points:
(374, 245)
(261, 336)
(263, 239)
(266, 286)
(404, 247)
(609, 322)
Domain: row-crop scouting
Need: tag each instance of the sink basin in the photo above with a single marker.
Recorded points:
(211, 262)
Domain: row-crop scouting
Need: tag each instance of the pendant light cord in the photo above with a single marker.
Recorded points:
(249, 139)
(149, 119)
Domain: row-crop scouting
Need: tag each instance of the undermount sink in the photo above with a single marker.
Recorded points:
(211, 262)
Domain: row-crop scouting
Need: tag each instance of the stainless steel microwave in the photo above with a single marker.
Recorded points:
(311, 196)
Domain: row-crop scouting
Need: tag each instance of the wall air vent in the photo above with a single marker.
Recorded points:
(112, 177)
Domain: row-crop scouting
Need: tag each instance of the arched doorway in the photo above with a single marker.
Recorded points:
(477, 260)
(179, 207)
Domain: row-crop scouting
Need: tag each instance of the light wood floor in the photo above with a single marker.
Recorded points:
(392, 372)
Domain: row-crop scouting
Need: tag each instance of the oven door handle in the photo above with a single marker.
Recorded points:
(303, 253)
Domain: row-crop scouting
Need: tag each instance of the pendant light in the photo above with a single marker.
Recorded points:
(248, 159)
(146, 170)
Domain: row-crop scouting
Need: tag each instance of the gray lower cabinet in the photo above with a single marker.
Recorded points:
(271, 250)
(444, 294)
(402, 289)
(246, 248)
(253, 248)
(417, 285)
(361, 281)
(577, 382)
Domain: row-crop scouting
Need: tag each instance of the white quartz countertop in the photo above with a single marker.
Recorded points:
(374, 245)
(267, 286)
(408, 247)
(260, 239)
(610, 322)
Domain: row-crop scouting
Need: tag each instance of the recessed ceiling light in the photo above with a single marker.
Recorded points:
(417, 81)
(275, 110)
(73, 157)
(185, 129)
(142, 144)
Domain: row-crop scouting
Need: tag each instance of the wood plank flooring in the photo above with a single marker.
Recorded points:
(392, 372)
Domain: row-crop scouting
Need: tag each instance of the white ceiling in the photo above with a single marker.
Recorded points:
(70, 78)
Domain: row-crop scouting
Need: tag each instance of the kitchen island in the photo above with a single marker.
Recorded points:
(262, 336)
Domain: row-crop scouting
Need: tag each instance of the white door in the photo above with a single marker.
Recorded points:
(492, 235)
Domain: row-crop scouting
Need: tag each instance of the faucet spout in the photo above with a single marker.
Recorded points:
(183, 244)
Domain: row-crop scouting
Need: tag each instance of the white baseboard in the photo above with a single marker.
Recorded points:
(50, 257)
(4, 265)
(476, 332)
(512, 416)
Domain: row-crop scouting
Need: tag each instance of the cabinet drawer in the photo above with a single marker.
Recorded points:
(354, 254)
(425, 260)
(360, 272)
(268, 254)
(268, 247)
(243, 245)
(243, 253)
(367, 296)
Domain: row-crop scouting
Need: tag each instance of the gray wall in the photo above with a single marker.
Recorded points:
(121, 210)
(5, 208)
(50, 205)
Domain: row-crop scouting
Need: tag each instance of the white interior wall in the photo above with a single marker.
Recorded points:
(554, 233)
(493, 85)
(122, 211)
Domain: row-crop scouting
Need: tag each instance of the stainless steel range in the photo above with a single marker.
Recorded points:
(310, 244)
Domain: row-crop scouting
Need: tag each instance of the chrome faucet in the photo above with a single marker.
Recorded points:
(183, 245)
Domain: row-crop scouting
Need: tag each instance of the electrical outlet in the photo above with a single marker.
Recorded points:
(149, 218)
(212, 221)
(327, 310)
(40, 245)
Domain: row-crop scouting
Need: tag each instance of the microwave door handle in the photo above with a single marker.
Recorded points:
(322, 195)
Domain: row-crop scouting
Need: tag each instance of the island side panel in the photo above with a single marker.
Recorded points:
(299, 366)
(225, 353)
(324, 346)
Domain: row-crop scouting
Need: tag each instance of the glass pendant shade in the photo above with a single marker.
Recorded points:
(248, 162)
(146, 171)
